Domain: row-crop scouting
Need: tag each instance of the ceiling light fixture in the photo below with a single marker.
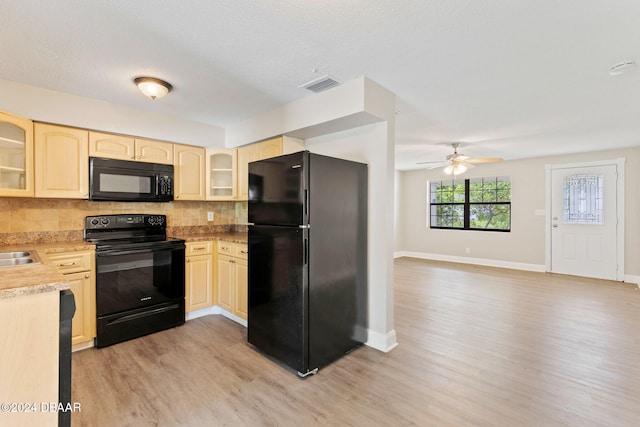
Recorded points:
(621, 68)
(455, 168)
(152, 87)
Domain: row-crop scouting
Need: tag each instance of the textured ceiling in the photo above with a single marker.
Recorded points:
(511, 79)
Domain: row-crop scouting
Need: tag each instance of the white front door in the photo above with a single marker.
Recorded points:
(584, 235)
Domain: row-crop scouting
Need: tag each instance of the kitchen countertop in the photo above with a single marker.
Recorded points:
(43, 277)
(233, 237)
(37, 278)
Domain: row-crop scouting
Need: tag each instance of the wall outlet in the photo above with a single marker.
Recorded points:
(209, 216)
(467, 250)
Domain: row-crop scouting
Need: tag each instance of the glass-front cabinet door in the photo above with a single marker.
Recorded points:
(221, 174)
(16, 156)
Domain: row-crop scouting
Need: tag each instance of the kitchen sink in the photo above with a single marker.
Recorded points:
(13, 258)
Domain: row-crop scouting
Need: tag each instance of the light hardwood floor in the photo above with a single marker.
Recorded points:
(478, 347)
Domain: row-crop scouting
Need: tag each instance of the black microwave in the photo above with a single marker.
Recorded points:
(127, 181)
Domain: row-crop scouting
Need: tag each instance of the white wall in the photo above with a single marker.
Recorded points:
(370, 144)
(61, 108)
(355, 121)
(524, 246)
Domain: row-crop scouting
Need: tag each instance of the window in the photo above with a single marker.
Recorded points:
(583, 199)
(475, 204)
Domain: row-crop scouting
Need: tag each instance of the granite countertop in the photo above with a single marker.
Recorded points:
(43, 277)
(39, 277)
(233, 237)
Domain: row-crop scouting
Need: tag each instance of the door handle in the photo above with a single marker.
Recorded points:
(555, 225)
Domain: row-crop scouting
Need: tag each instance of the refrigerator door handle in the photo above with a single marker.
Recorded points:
(306, 251)
(306, 202)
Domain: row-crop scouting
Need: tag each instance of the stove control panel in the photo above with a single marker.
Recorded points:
(124, 221)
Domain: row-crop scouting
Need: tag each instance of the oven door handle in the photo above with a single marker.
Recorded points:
(117, 252)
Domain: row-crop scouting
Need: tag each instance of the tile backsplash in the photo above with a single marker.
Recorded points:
(24, 215)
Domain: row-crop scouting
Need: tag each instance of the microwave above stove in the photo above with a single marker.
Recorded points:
(127, 181)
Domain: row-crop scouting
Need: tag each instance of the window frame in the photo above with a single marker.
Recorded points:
(467, 204)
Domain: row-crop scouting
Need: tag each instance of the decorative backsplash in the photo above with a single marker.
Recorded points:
(39, 220)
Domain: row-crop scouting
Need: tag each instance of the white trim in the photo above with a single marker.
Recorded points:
(475, 261)
(82, 346)
(232, 316)
(202, 312)
(215, 310)
(620, 196)
(631, 278)
(383, 342)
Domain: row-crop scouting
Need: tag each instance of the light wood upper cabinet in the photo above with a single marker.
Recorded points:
(151, 151)
(111, 146)
(61, 162)
(221, 175)
(262, 150)
(189, 172)
(122, 147)
(16, 156)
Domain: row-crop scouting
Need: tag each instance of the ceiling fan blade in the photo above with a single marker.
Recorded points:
(426, 163)
(439, 165)
(484, 159)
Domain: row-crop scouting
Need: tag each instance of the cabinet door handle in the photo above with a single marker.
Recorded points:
(67, 264)
(244, 252)
(86, 276)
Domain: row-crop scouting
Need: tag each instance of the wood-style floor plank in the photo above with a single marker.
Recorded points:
(478, 346)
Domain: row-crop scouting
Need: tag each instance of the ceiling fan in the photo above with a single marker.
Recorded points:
(458, 163)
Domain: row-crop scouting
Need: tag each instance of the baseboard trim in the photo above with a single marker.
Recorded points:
(383, 342)
(233, 317)
(82, 346)
(630, 278)
(202, 312)
(474, 261)
(215, 310)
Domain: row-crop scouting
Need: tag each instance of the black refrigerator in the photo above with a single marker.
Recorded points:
(307, 259)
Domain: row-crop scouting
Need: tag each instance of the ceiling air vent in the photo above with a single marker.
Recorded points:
(320, 84)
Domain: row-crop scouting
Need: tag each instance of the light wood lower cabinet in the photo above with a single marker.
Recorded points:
(232, 278)
(78, 267)
(199, 286)
(241, 300)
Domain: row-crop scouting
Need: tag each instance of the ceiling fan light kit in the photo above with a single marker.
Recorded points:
(458, 163)
(455, 168)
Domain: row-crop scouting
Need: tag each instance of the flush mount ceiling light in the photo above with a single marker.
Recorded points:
(152, 87)
(621, 68)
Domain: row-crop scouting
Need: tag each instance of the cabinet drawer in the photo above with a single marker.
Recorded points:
(198, 248)
(71, 262)
(240, 251)
(225, 248)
